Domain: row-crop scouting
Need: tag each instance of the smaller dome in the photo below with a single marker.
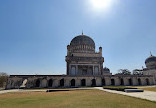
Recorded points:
(150, 62)
(105, 69)
(150, 59)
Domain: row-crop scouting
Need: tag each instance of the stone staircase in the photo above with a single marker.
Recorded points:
(24, 83)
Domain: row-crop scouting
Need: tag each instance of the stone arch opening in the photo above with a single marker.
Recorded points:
(83, 82)
(103, 82)
(72, 82)
(37, 83)
(112, 82)
(50, 83)
(130, 81)
(147, 81)
(121, 81)
(61, 82)
(93, 82)
(139, 81)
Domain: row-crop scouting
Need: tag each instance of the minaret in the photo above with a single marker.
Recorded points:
(100, 51)
(68, 50)
(151, 53)
(82, 32)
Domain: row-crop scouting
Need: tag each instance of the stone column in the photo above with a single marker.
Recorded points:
(78, 82)
(76, 70)
(117, 81)
(67, 82)
(107, 81)
(135, 81)
(98, 81)
(88, 81)
(93, 70)
(67, 68)
(126, 82)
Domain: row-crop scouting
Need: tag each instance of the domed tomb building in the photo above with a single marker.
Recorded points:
(150, 69)
(81, 57)
(84, 68)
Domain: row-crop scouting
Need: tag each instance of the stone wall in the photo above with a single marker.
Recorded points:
(57, 81)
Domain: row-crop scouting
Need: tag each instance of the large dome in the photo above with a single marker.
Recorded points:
(82, 43)
(82, 40)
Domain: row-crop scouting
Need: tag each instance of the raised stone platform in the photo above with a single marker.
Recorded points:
(133, 90)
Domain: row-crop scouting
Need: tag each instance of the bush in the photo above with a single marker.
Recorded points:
(3, 79)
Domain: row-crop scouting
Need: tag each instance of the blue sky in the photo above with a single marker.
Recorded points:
(34, 33)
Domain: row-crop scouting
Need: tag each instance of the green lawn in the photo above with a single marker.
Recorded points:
(72, 99)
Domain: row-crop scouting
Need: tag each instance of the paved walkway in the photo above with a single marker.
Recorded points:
(149, 95)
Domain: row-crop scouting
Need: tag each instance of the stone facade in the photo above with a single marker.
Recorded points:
(84, 68)
(57, 81)
(150, 69)
(81, 57)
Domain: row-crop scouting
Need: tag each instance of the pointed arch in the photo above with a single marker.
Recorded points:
(50, 83)
(121, 81)
(61, 82)
(93, 82)
(130, 81)
(103, 82)
(37, 83)
(147, 81)
(72, 82)
(83, 82)
(112, 82)
(139, 81)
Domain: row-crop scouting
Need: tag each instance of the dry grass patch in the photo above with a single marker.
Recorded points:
(72, 99)
(150, 89)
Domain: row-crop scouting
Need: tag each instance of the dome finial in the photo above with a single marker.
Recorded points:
(82, 32)
(151, 53)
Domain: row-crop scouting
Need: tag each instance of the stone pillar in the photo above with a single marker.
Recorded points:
(78, 82)
(43, 83)
(93, 70)
(117, 81)
(107, 81)
(55, 83)
(98, 81)
(66, 83)
(101, 65)
(134, 81)
(67, 68)
(126, 82)
(143, 81)
(88, 81)
(76, 73)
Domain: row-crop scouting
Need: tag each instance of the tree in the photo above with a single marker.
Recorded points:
(137, 72)
(123, 72)
(3, 79)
